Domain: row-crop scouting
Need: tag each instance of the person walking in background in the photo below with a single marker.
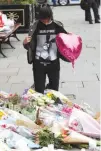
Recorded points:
(92, 4)
(45, 55)
(98, 3)
(54, 2)
(87, 15)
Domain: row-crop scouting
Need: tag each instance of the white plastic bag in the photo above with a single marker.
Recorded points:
(10, 22)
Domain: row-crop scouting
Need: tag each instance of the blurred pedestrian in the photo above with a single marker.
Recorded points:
(98, 3)
(92, 4)
(54, 2)
(86, 15)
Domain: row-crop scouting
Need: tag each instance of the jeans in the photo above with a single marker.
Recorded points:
(54, 2)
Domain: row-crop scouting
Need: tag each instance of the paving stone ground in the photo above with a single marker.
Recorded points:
(83, 81)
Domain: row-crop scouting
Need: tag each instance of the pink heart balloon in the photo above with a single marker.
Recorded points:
(69, 46)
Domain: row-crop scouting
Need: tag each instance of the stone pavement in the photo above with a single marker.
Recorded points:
(83, 81)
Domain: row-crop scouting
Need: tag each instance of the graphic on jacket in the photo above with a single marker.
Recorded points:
(46, 47)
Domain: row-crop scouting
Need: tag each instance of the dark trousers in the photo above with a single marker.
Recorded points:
(95, 10)
(54, 2)
(52, 70)
(86, 15)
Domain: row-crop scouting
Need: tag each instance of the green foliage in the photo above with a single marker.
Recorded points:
(24, 1)
(17, 1)
(3, 1)
(46, 137)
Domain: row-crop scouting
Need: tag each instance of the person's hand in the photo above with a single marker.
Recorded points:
(27, 40)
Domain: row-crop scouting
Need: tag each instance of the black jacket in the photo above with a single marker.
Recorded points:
(31, 47)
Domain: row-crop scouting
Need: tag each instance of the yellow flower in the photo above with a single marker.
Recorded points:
(31, 91)
(2, 114)
(49, 94)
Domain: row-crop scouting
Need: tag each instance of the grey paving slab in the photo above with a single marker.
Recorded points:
(19, 64)
(8, 60)
(22, 57)
(21, 79)
(70, 88)
(4, 79)
(92, 84)
(7, 48)
(82, 68)
(71, 84)
(18, 88)
(9, 71)
(3, 64)
(91, 95)
(5, 87)
(26, 71)
(78, 77)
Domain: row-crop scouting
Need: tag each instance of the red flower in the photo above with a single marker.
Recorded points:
(4, 126)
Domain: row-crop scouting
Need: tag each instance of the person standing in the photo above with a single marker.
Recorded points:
(86, 15)
(98, 3)
(54, 2)
(92, 4)
(45, 55)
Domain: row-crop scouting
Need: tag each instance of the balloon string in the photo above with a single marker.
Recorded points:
(73, 64)
(73, 71)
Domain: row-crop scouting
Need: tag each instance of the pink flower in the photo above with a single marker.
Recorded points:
(75, 123)
(77, 106)
(67, 110)
(4, 126)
